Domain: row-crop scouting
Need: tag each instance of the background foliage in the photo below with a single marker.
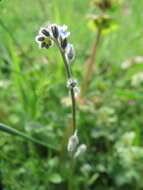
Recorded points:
(33, 98)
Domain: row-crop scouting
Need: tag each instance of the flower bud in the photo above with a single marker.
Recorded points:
(45, 32)
(64, 43)
(40, 38)
(70, 52)
(71, 83)
(54, 29)
(81, 149)
(73, 142)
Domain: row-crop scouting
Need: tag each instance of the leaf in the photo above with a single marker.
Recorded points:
(93, 179)
(13, 131)
(55, 178)
(113, 27)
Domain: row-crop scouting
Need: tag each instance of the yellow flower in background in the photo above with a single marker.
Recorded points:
(104, 22)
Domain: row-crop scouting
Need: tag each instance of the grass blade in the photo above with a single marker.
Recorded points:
(13, 131)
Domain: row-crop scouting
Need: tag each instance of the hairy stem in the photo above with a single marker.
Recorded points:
(69, 75)
(90, 63)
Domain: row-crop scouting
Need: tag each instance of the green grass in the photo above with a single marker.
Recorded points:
(32, 88)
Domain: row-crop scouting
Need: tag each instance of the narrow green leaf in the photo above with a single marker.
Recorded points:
(93, 179)
(13, 131)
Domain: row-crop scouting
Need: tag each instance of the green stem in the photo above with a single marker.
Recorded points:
(69, 75)
(71, 174)
(1, 181)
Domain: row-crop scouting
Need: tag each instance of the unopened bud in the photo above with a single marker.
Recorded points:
(55, 31)
(64, 43)
(81, 149)
(73, 142)
(70, 52)
(45, 32)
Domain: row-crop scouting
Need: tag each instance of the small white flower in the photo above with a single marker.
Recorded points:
(137, 79)
(73, 142)
(126, 64)
(71, 83)
(131, 62)
(139, 59)
(86, 168)
(76, 91)
(63, 27)
(63, 31)
(81, 149)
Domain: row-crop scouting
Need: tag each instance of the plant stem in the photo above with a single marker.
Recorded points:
(90, 62)
(71, 175)
(1, 183)
(69, 75)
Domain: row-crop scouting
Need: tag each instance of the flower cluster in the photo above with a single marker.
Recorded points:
(56, 34)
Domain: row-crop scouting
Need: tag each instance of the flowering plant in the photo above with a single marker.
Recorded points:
(58, 35)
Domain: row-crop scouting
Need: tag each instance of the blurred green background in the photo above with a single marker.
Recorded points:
(34, 98)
